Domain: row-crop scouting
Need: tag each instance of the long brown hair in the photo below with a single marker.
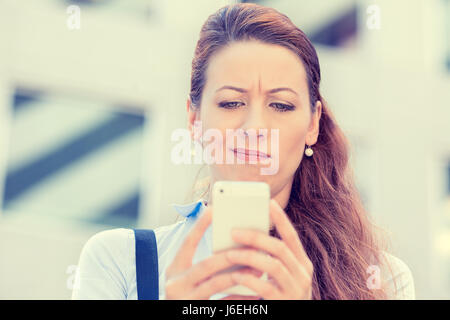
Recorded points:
(324, 205)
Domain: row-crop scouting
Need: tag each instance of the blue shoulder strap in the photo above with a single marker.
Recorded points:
(147, 275)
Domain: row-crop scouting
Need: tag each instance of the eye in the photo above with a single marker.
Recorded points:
(229, 105)
(281, 107)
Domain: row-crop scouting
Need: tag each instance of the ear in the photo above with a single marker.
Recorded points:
(193, 115)
(313, 130)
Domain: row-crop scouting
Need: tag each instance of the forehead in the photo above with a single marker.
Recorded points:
(253, 63)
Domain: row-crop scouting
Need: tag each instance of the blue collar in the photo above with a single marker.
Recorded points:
(191, 209)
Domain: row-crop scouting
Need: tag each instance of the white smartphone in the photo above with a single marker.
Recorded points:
(238, 204)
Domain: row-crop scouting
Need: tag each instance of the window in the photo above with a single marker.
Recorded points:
(73, 158)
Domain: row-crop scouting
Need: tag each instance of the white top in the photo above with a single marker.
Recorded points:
(107, 269)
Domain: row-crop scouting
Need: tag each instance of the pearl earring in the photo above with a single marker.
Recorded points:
(309, 152)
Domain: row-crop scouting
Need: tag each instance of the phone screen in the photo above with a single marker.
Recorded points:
(238, 204)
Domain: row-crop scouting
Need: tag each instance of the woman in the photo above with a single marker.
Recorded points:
(252, 69)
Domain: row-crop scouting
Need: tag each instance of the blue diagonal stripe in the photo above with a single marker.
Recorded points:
(122, 214)
(336, 31)
(28, 176)
(23, 101)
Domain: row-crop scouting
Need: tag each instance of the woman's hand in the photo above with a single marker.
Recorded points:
(186, 281)
(288, 266)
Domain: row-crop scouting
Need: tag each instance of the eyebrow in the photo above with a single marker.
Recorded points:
(268, 91)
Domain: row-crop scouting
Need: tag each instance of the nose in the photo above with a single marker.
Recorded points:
(255, 124)
(254, 128)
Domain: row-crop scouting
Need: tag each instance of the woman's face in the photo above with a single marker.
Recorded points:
(252, 73)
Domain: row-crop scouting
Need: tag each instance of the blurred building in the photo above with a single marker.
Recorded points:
(90, 92)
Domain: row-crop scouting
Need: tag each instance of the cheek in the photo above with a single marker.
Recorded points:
(292, 143)
(293, 140)
(213, 118)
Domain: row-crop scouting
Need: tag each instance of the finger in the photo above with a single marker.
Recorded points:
(265, 263)
(212, 286)
(183, 258)
(207, 268)
(262, 288)
(253, 271)
(272, 245)
(288, 233)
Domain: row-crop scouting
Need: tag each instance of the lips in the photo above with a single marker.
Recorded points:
(247, 152)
